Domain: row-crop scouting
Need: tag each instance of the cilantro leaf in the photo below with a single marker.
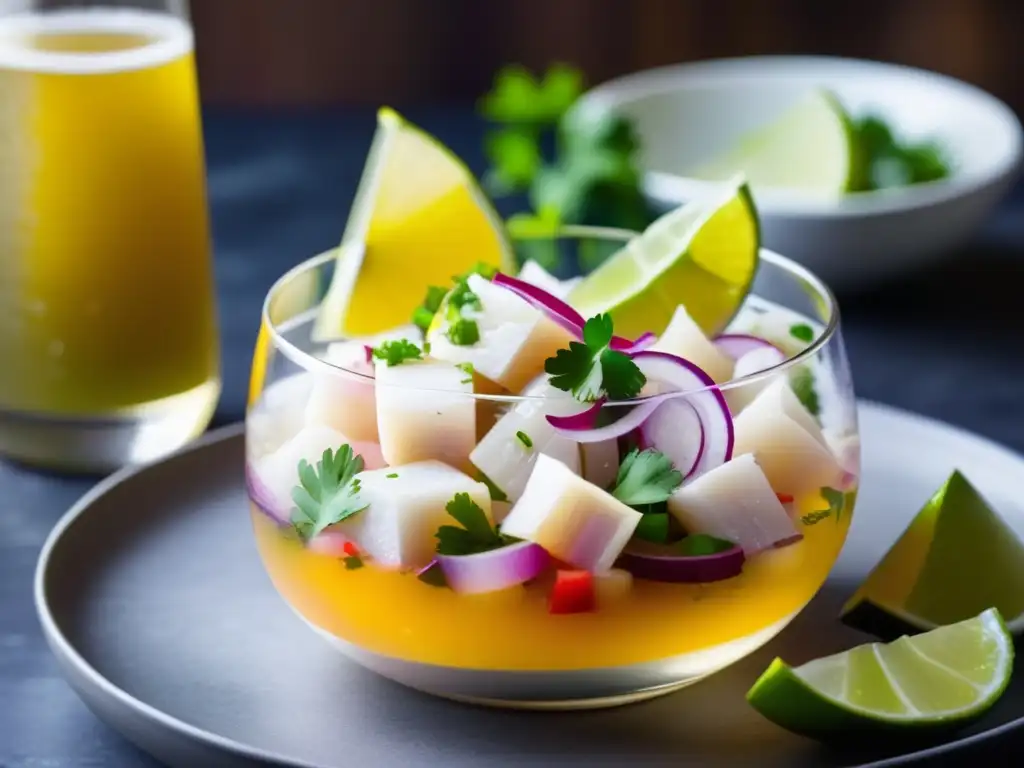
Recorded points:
(463, 332)
(622, 378)
(519, 98)
(801, 332)
(591, 369)
(514, 154)
(353, 562)
(524, 439)
(836, 501)
(423, 315)
(397, 352)
(466, 368)
(801, 380)
(476, 534)
(328, 493)
(645, 477)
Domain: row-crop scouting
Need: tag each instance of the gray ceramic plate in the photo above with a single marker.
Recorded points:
(156, 606)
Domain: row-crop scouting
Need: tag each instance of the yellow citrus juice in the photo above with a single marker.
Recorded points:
(106, 286)
(397, 615)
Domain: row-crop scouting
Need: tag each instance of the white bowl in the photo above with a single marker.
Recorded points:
(688, 112)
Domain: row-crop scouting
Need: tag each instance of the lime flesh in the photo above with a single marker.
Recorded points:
(418, 218)
(703, 255)
(938, 680)
(956, 558)
(809, 148)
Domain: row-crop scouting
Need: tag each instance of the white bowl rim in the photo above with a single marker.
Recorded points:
(670, 187)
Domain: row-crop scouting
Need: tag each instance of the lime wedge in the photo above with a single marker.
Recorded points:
(809, 148)
(940, 679)
(956, 558)
(703, 254)
(418, 218)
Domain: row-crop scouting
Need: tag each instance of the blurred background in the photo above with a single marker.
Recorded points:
(317, 52)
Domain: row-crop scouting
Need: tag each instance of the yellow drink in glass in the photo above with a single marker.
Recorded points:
(106, 287)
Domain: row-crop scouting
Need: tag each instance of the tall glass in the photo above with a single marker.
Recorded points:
(510, 647)
(108, 332)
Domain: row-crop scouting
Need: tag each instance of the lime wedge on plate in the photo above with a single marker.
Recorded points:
(418, 218)
(940, 679)
(810, 148)
(703, 254)
(956, 558)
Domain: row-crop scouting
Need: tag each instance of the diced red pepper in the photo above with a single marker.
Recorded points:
(573, 592)
(784, 498)
(351, 549)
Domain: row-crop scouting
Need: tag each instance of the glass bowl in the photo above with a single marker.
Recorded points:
(640, 637)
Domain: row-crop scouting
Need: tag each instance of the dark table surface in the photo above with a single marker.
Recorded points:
(940, 344)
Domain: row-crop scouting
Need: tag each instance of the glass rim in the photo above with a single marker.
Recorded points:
(310, 362)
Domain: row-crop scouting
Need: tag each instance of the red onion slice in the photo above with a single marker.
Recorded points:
(676, 430)
(552, 306)
(263, 498)
(577, 422)
(736, 345)
(643, 341)
(703, 397)
(662, 565)
(563, 314)
(495, 569)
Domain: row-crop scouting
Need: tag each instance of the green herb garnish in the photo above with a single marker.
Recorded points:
(352, 562)
(886, 162)
(459, 295)
(476, 534)
(645, 477)
(653, 528)
(592, 369)
(463, 332)
(328, 493)
(496, 493)
(593, 176)
(397, 352)
(836, 502)
(423, 315)
(801, 381)
(802, 332)
(391, 475)
(701, 544)
(466, 368)
(524, 438)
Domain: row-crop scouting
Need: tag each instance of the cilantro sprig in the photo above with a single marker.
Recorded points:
(591, 177)
(327, 493)
(645, 477)
(476, 534)
(801, 380)
(459, 296)
(836, 501)
(397, 351)
(591, 369)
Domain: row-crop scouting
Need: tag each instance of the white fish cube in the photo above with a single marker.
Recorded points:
(503, 454)
(406, 507)
(344, 399)
(786, 441)
(684, 338)
(534, 274)
(753, 362)
(572, 519)
(515, 338)
(600, 462)
(279, 470)
(278, 415)
(425, 410)
(734, 502)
